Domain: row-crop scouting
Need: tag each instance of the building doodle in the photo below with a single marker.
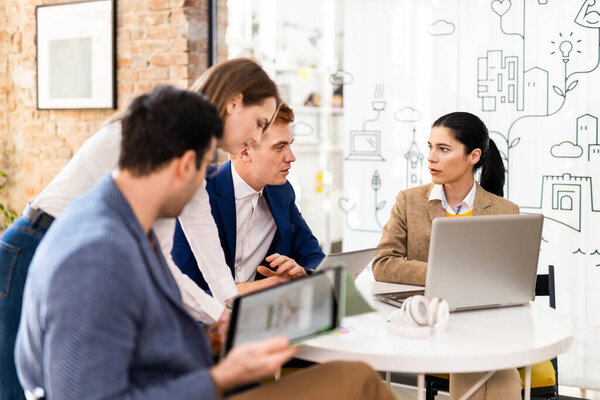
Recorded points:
(498, 80)
(586, 131)
(564, 197)
(414, 157)
(414, 164)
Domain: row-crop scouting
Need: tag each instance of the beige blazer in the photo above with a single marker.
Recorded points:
(404, 245)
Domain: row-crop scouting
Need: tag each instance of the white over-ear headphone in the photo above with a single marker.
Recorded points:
(419, 316)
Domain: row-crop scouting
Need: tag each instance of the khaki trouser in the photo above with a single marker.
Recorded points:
(503, 385)
(333, 380)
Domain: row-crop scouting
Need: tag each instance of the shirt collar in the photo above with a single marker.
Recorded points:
(240, 187)
(469, 201)
(438, 193)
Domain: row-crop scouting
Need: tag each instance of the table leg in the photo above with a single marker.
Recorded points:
(527, 383)
(421, 387)
(477, 385)
(388, 378)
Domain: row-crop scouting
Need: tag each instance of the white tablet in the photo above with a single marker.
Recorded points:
(298, 309)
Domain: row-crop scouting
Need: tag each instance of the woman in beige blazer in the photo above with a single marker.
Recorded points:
(459, 145)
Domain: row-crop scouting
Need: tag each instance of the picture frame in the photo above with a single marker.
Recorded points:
(76, 55)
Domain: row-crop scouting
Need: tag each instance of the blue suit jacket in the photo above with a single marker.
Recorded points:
(102, 315)
(293, 237)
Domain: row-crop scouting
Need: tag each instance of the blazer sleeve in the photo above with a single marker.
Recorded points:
(390, 263)
(93, 312)
(305, 246)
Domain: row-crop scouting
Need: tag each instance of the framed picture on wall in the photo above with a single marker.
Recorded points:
(76, 53)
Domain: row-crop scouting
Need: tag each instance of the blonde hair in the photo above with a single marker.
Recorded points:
(285, 115)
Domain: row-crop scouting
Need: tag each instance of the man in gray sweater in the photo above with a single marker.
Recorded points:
(102, 315)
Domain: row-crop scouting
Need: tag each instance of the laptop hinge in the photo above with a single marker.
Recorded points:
(477, 307)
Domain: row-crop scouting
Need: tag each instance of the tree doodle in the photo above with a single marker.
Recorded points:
(348, 205)
(514, 83)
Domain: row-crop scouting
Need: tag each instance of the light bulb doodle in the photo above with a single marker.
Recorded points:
(566, 47)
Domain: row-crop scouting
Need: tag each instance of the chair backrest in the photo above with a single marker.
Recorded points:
(544, 286)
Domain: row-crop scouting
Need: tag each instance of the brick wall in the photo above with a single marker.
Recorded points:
(158, 41)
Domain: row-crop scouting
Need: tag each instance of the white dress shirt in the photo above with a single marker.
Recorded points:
(438, 193)
(255, 228)
(100, 155)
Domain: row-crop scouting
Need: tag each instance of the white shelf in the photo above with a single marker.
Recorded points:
(318, 110)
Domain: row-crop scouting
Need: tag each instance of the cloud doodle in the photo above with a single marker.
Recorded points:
(407, 114)
(566, 150)
(341, 77)
(301, 128)
(441, 27)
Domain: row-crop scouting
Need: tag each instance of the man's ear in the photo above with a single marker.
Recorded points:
(235, 102)
(244, 154)
(475, 156)
(186, 165)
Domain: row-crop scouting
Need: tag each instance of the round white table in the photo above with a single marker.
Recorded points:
(480, 340)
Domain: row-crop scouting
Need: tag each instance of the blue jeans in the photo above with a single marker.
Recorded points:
(17, 246)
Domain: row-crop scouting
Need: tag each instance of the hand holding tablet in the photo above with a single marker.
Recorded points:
(297, 310)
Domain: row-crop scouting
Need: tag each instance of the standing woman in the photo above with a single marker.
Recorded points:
(459, 145)
(246, 99)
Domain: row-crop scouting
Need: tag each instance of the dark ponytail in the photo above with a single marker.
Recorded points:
(469, 130)
(492, 170)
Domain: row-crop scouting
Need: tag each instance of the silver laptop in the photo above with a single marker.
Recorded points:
(482, 262)
(354, 261)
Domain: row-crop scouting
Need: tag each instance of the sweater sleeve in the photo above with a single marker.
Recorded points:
(94, 308)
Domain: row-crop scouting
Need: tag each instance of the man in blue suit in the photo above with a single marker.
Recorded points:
(254, 208)
(102, 315)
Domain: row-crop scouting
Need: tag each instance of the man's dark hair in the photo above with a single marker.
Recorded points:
(162, 125)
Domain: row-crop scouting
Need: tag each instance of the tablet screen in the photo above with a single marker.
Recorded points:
(297, 309)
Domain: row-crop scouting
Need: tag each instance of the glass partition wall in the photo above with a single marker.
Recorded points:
(366, 80)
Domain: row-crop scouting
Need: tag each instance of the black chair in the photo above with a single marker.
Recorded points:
(544, 286)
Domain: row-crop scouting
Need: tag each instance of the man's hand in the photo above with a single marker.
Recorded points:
(284, 266)
(250, 362)
(255, 286)
(217, 332)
